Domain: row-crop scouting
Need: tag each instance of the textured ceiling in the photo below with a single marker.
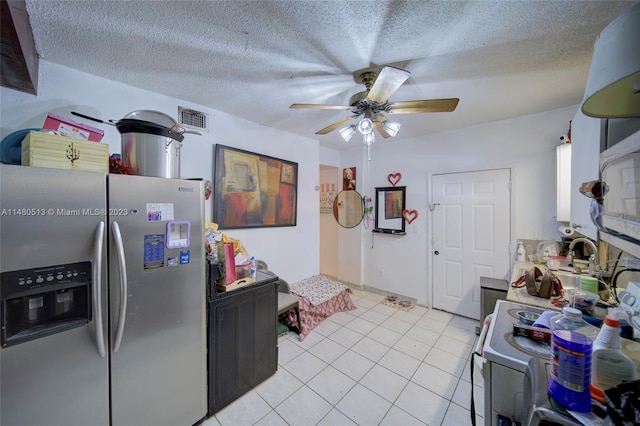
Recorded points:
(253, 59)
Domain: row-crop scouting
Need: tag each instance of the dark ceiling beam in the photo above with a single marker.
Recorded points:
(19, 58)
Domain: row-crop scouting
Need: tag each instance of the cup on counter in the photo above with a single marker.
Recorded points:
(580, 299)
(553, 264)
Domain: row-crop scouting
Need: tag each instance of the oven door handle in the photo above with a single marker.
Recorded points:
(97, 288)
(486, 323)
(122, 315)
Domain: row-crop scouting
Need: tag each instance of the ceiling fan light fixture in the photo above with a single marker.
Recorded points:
(369, 138)
(391, 127)
(365, 126)
(347, 132)
(368, 107)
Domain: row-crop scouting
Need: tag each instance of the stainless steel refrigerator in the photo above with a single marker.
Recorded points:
(102, 299)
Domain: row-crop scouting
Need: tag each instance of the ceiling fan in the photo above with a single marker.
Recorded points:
(373, 103)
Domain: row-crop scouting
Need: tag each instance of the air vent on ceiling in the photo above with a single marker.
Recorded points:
(193, 119)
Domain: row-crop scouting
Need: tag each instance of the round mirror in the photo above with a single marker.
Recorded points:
(348, 208)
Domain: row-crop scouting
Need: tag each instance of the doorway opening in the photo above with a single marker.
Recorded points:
(328, 226)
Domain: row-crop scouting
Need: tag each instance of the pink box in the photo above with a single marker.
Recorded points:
(229, 263)
(66, 127)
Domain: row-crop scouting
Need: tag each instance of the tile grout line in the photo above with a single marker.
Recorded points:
(412, 325)
(393, 403)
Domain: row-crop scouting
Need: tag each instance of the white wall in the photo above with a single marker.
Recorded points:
(526, 145)
(292, 252)
(329, 157)
(585, 167)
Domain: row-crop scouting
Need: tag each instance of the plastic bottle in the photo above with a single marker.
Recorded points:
(610, 365)
(522, 254)
(570, 370)
(571, 319)
(571, 351)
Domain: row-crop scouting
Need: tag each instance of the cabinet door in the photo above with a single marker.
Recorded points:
(585, 167)
(242, 343)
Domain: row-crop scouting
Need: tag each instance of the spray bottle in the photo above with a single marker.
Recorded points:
(610, 365)
(522, 254)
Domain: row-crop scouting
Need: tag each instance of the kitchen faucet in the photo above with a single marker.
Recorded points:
(593, 264)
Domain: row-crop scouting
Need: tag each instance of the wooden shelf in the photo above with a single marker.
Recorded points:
(389, 232)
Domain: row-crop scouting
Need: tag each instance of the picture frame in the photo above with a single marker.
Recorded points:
(349, 179)
(390, 203)
(253, 190)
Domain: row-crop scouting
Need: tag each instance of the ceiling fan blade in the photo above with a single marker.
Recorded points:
(336, 125)
(319, 106)
(387, 82)
(381, 130)
(429, 105)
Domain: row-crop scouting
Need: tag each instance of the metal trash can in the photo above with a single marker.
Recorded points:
(491, 290)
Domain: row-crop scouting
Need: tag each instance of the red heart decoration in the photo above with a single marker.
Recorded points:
(409, 215)
(394, 178)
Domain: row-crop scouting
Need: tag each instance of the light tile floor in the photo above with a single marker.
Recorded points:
(375, 365)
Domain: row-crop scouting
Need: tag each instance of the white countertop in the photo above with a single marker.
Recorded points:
(520, 295)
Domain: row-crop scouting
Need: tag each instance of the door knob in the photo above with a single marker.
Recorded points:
(436, 252)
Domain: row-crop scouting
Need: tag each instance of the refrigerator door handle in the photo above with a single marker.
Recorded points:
(97, 288)
(123, 286)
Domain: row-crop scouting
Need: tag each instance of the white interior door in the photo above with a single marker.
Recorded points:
(471, 236)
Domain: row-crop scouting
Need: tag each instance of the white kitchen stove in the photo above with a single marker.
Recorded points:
(507, 359)
(503, 347)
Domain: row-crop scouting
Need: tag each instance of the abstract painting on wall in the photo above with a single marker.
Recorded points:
(253, 190)
(393, 205)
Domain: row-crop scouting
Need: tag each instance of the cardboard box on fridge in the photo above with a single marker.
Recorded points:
(42, 149)
(66, 127)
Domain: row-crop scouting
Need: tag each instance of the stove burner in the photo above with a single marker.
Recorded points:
(529, 346)
(514, 312)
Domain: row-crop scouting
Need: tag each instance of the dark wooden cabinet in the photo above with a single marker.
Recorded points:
(242, 339)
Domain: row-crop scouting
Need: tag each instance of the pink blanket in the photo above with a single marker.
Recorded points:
(311, 315)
